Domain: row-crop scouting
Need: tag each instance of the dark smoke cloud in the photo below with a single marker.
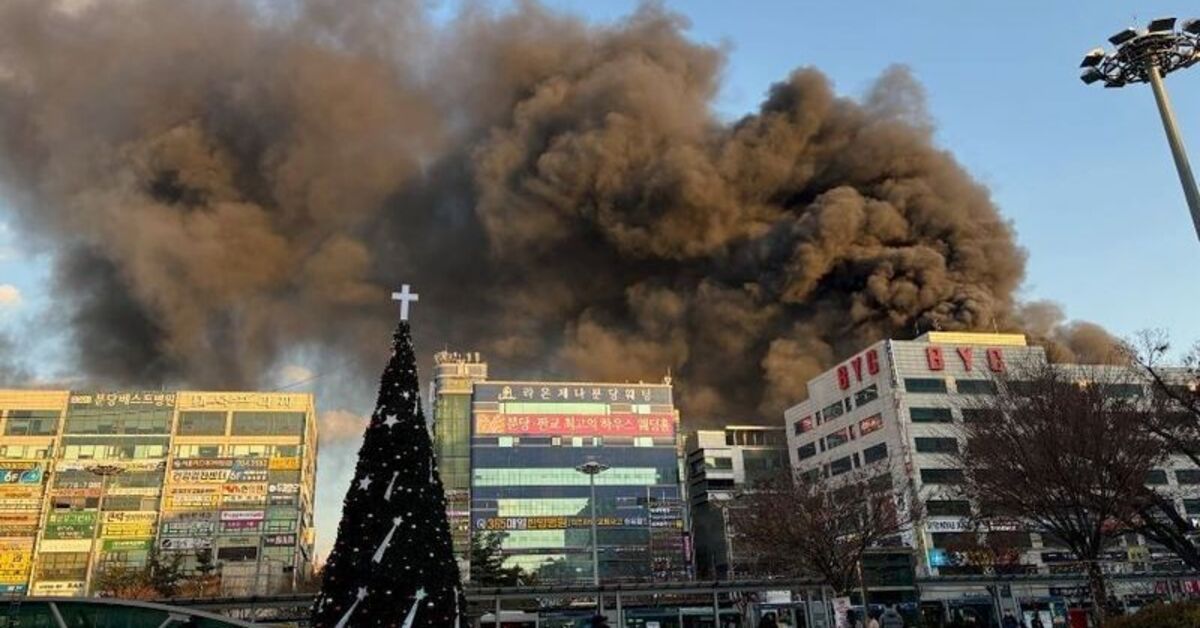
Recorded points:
(227, 185)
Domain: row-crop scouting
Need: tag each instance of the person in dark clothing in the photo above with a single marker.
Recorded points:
(1009, 621)
(768, 621)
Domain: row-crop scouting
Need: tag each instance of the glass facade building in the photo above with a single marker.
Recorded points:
(453, 377)
(527, 440)
(95, 481)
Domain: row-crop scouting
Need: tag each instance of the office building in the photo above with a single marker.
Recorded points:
(454, 376)
(93, 481)
(527, 441)
(722, 466)
(894, 406)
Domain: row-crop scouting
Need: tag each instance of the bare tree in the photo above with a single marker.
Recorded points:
(1063, 452)
(1176, 395)
(822, 527)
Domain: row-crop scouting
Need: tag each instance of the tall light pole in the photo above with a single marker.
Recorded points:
(105, 471)
(1146, 56)
(592, 468)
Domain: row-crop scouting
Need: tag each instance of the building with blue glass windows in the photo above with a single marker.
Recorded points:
(528, 438)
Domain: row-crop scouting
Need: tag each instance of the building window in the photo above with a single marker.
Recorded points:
(976, 386)
(832, 412)
(506, 441)
(237, 554)
(1122, 390)
(837, 439)
(980, 414)
(643, 441)
(1187, 476)
(62, 566)
(268, 423)
(803, 425)
(31, 423)
(1013, 539)
(719, 464)
(841, 465)
(201, 424)
(924, 385)
(948, 508)
(930, 415)
(930, 445)
(941, 476)
(870, 424)
(805, 452)
(1191, 506)
(1156, 477)
(866, 395)
(197, 451)
(875, 453)
(954, 540)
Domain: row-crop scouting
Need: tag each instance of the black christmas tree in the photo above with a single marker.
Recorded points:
(392, 563)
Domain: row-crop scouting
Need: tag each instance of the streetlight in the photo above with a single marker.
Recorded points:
(592, 468)
(105, 471)
(1147, 55)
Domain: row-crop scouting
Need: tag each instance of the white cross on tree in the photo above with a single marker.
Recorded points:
(405, 296)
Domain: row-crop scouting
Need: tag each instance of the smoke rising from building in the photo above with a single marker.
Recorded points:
(225, 187)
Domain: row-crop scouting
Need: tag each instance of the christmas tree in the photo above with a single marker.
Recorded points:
(392, 563)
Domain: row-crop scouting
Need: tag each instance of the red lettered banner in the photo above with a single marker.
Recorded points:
(575, 424)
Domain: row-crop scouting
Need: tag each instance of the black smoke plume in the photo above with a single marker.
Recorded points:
(228, 184)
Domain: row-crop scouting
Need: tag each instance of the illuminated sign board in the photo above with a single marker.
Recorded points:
(625, 424)
(157, 399)
(557, 523)
(653, 394)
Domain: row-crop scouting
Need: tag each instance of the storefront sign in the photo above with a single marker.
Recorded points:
(185, 543)
(241, 526)
(219, 463)
(242, 401)
(575, 424)
(284, 464)
(73, 545)
(140, 491)
(557, 523)
(244, 489)
(193, 501)
(188, 528)
(200, 476)
(127, 530)
(248, 475)
(156, 399)
(20, 491)
(651, 394)
(18, 518)
(279, 540)
(136, 516)
(125, 465)
(286, 488)
(15, 530)
(21, 476)
(66, 588)
(127, 545)
(242, 515)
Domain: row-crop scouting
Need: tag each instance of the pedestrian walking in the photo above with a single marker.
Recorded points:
(1009, 621)
(873, 622)
(1037, 622)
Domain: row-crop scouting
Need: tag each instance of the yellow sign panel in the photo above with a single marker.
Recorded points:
(284, 464)
(8, 491)
(127, 530)
(244, 401)
(969, 338)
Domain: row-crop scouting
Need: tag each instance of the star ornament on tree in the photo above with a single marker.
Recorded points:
(380, 547)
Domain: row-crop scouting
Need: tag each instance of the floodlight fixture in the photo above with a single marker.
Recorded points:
(1123, 36)
(1091, 75)
(1092, 58)
(1161, 25)
(1146, 57)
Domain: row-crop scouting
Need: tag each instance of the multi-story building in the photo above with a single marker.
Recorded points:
(721, 466)
(454, 376)
(893, 409)
(94, 481)
(528, 438)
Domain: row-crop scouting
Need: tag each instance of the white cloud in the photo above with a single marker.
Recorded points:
(340, 426)
(294, 374)
(10, 297)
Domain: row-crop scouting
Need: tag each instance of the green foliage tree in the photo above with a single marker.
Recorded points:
(487, 562)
